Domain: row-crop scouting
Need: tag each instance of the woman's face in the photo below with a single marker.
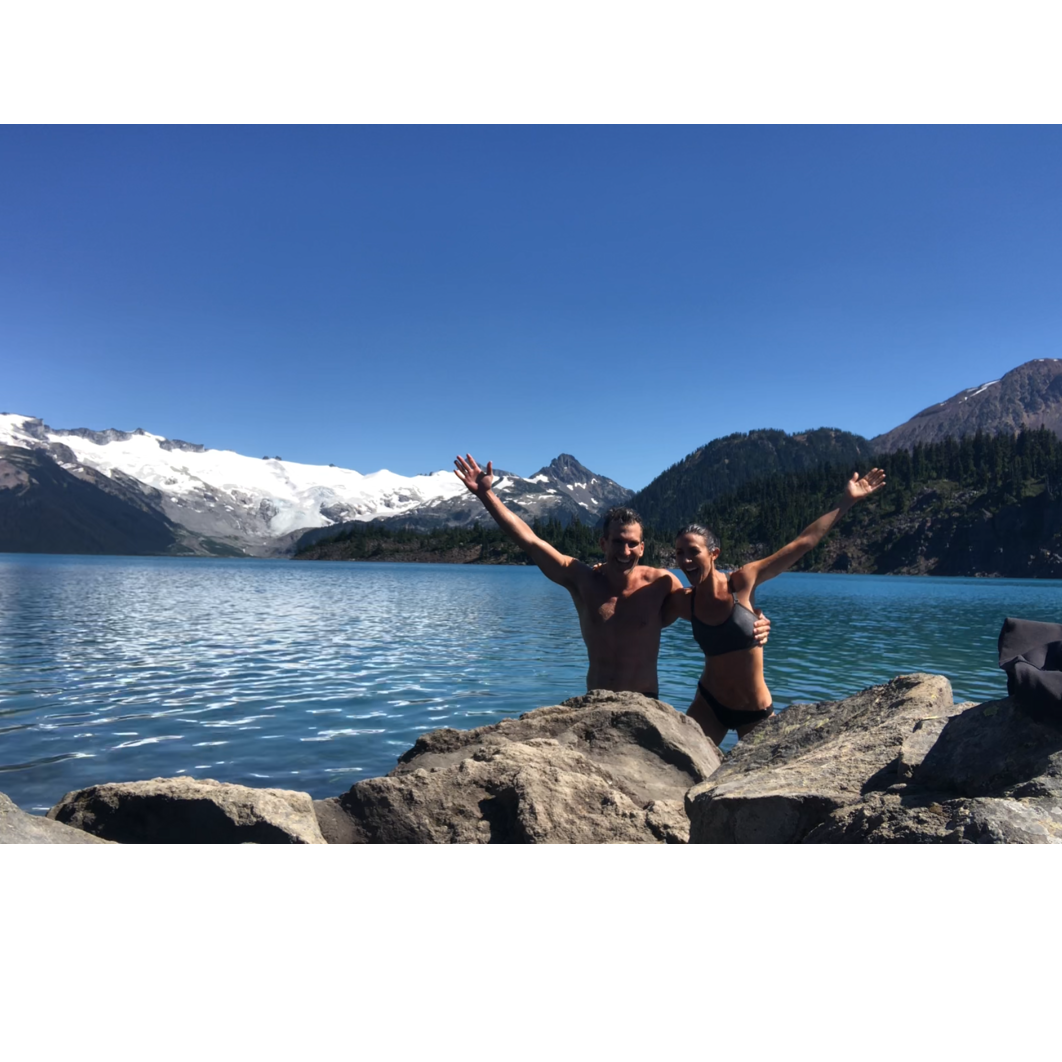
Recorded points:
(693, 555)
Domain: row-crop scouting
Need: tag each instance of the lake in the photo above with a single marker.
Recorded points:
(314, 675)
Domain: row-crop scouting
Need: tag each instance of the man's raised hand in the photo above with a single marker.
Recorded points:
(477, 480)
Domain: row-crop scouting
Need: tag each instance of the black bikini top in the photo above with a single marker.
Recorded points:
(734, 633)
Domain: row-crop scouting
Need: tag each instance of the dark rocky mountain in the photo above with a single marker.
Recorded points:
(673, 498)
(46, 509)
(1029, 396)
(952, 534)
(945, 531)
(984, 505)
(564, 490)
(578, 485)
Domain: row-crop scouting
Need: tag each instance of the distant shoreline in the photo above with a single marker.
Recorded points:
(519, 564)
(495, 563)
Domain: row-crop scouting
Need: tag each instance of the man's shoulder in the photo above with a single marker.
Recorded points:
(579, 572)
(655, 575)
(657, 571)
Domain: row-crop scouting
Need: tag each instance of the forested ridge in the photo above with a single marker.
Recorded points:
(983, 505)
(479, 544)
(725, 464)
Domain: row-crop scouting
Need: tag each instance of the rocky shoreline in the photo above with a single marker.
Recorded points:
(896, 763)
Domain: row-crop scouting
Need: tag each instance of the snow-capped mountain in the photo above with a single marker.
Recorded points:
(563, 490)
(260, 506)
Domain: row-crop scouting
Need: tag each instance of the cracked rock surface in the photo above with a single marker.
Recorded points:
(895, 763)
(601, 768)
(190, 811)
(20, 827)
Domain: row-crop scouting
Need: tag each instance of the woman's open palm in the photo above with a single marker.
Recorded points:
(858, 487)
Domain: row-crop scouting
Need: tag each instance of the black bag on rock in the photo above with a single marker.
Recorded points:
(1031, 654)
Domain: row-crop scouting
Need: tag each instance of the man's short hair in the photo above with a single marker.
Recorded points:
(622, 515)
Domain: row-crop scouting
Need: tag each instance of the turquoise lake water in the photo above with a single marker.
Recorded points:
(315, 675)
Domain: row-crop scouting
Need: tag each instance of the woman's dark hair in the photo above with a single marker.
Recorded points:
(697, 529)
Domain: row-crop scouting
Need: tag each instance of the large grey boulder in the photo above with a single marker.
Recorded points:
(895, 763)
(190, 811)
(993, 775)
(803, 764)
(19, 827)
(601, 768)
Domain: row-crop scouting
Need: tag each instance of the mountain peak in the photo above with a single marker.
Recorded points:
(566, 468)
(674, 497)
(1026, 397)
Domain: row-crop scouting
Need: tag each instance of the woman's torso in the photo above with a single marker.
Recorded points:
(733, 665)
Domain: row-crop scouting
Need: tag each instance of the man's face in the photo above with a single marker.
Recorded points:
(623, 545)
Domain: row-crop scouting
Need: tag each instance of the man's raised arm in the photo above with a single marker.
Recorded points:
(554, 565)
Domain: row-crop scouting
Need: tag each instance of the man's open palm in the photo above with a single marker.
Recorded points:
(472, 476)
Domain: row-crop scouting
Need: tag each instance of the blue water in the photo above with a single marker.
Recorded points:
(314, 675)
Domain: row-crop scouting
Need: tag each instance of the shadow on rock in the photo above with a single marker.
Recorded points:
(898, 763)
(190, 811)
(20, 827)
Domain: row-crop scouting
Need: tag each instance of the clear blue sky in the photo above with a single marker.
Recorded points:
(382, 297)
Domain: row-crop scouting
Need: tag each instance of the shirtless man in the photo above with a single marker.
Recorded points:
(620, 602)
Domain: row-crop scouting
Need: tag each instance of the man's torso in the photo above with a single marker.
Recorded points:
(621, 626)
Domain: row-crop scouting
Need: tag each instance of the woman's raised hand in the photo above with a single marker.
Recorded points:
(858, 487)
(477, 480)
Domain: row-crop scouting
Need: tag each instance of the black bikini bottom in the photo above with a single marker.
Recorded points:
(732, 718)
(655, 695)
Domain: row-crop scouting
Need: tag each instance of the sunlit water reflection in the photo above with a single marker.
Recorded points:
(314, 675)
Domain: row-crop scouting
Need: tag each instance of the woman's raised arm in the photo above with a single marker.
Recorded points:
(855, 490)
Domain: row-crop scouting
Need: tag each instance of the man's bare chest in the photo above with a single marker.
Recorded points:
(635, 608)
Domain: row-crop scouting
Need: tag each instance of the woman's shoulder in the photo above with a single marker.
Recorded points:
(738, 578)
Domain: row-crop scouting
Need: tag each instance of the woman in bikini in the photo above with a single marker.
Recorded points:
(731, 694)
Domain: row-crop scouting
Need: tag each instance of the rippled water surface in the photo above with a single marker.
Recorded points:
(314, 675)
